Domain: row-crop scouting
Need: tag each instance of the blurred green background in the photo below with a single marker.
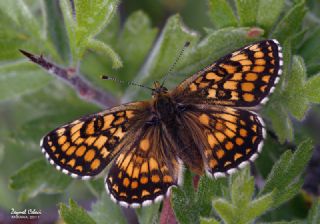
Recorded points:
(139, 40)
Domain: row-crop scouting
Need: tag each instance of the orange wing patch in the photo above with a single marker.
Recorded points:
(84, 147)
(244, 78)
(234, 137)
(144, 173)
(229, 138)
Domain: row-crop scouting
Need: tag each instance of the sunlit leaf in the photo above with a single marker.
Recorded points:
(38, 177)
(74, 214)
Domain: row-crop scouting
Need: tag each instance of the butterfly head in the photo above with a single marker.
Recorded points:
(158, 89)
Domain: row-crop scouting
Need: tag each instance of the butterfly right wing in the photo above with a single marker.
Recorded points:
(244, 78)
(227, 138)
(84, 147)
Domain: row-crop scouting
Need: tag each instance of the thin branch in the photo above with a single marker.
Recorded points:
(84, 89)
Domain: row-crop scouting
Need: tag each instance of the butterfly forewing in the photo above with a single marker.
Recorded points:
(242, 79)
(84, 147)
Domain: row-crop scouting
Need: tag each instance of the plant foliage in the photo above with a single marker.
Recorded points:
(91, 38)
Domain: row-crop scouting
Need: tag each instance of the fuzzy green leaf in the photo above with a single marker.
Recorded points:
(135, 39)
(222, 14)
(291, 22)
(19, 29)
(56, 30)
(34, 123)
(105, 211)
(90, 18)
(268, 12)
(225, 210)
(70, 27)
(20, 78)
(208, 221)
(287, 61)
(296, 101)
(299, 92)
(247, 11)
(281, 122)
(96, 186)
(207, 189)
(74, 214)
(171, 40)
(287, 193)
(183, 201)
(310, 49)
(242, 188)
(259, 206)
(312, 88)
(314, 213)
(277, 175)
(285, 172)
(93, 16)
(20, 13)
(149, 214)
(242, 208)
(38, 177)
(106, 50)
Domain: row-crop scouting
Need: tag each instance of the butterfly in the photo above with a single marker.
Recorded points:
(206, 123)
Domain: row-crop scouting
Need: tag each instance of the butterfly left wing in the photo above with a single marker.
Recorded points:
(84, 147)
(227, 138)
(145, 172)
(242, 79)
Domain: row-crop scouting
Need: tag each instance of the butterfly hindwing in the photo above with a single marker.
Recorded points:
(84, 147)
(145, 172)
(242, 79)
(228, 138)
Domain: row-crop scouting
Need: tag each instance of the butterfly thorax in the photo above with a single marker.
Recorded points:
(164, 108)
(163, 105)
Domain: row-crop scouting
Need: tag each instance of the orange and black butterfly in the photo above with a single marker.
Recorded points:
(204, 123)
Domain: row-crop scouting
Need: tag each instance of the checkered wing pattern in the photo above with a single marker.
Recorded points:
(227, 138)
(242, 79)
(145, 172)
(84, 147)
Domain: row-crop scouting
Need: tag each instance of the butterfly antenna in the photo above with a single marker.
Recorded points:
(175, 62)
(121, 81)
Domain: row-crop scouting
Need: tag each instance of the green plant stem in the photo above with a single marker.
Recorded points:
(105, 49)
